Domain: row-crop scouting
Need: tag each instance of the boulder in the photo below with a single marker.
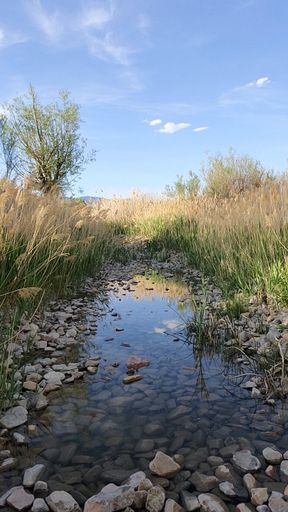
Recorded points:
(211, 503)
(155, 499)
(164, 466)
(14, 417)
(245, 462)
(110, 499)
(20, 499)
(62, 501)
(31, 475)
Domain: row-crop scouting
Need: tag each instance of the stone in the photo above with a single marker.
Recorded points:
(284, 471)
(7, 464)
(4, 496)
(62, 501)
(272, 456)
(203, 483)
(145, 485)
(228, 489)
(172, 506)
(249, 482)
(189, 501)
(41, 402)
(135, 479)
(40, 489)
(272, 472)
(39, 505)
(31, 475)
(244, 507)
(116, 476)
(129, 379)
(110, 499)
(14, 417)
(134, 362)
(211, 503)
(164, 466)
(29, 385)
(20, 499)
(139, 499)
(155, 499)
(259, 496)
(244, 461)
(54, 378)
(19, 438)
(276, 503)
(144, 445)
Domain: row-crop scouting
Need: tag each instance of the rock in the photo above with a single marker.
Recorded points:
(189, 501)
(272, 456)
(20, 499)
(14, 417)
(40, 489)
(40, 505)
(284, 471)
(116, 476)
(7, 464)
(54, 378)
(228, 489)
(19, 438)
(62, 501)
(272, 472)
(139, 499)
(135, 363)
(203, 483)
(263, 508)
(164, 466)
(211, 503)
(4, 496)
(172, 506)
(144, 445)
(244, 461)
(29, 385)
(110, 499)
(259, 496)
(145, 485)
(129, 379)
(244, 507)
(276, 503)
(41, 402)
(249, 482)
(135, 479)
(155, 499)
(31, 475)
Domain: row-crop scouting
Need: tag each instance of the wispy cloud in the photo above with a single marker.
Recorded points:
(50, 23)
(107, 48)
(96, 17)
(260, 82)
(200, 129)
(154, 122)
(143, 24)
(172, 127)
(8, 38)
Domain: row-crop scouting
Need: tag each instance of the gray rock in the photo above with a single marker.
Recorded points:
(14, 417)
(7, 464)
(272, 456)
(211, 503)
(245, 462)
(40, 489)
(135, 479)
(276, 503)
(4, 496)
(284, 470)
(172, 506)
(164, 466)
(62, 501)
(40, 505)
(203, 483)
(31, 475)
(189, 501)
(259, 496)
(228, 489)
(110, 499)
(20, 499)
(155, 499)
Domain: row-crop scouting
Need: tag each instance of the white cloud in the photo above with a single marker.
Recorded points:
(106, 48)
(200, 129)
(260, 82)
(10, 38)
(49, 23)
(155, 122)
(171, 127)
(96, 17)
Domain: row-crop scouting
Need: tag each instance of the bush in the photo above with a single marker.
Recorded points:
(184, 188)
(229, 175)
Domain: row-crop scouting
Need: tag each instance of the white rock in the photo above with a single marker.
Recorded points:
(62, 501)
(14, 417)
(110, 499)
(163, 465)
(20, 499)
(40, 505)
(155, 499)
(245, 461)
(31, 475)
(211, 503)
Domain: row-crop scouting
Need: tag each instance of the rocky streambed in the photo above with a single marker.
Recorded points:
(116, 385)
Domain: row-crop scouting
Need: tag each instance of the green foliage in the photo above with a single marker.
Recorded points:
(231, 174)
(51, 149)
(184, 188)
(8, 149)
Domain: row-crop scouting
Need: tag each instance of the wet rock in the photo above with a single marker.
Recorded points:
(215, 461)
(41, 402)
(228, 489)
(62, 501)
(276, 503)
(40, 489)
(91, 476)
(39, 505)
(4, 496)
(136, 479)
(144, 445)
(110, 499)
(172, 506)
(129, 379)
(249, 482)
(135, 362)
(259, 496)
(145, 485)
(284, 471)
(179, 411)
(203, 483)
(155, 499)
(272, 456)
(272, 472)
(164, 466)
(211, 503)
(31, 475)
(244, 507)
(189, 501)
(14, 417)
(139, 499)
(244, 461)
(19, 438)
(20, 499)
(153, 429)
(116, 476)
(7, 464)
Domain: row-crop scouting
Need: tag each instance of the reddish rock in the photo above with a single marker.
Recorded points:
(135, 363)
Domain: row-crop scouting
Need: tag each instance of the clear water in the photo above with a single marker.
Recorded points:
(186, 403)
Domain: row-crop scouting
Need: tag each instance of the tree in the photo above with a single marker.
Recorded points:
(231, 174)
(51, 149)
(8, 148)
(184, 188)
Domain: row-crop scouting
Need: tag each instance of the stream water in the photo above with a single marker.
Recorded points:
(99, 430)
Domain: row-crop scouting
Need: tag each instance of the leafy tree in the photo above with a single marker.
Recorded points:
(184, 188)
(231, 174)
(8, 149)
(51, 149)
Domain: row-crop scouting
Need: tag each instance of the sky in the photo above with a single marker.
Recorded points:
(162, 84)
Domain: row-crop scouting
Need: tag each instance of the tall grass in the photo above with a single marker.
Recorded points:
(47, 245)
(242, 242)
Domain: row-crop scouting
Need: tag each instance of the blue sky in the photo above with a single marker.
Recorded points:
(161, 83)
